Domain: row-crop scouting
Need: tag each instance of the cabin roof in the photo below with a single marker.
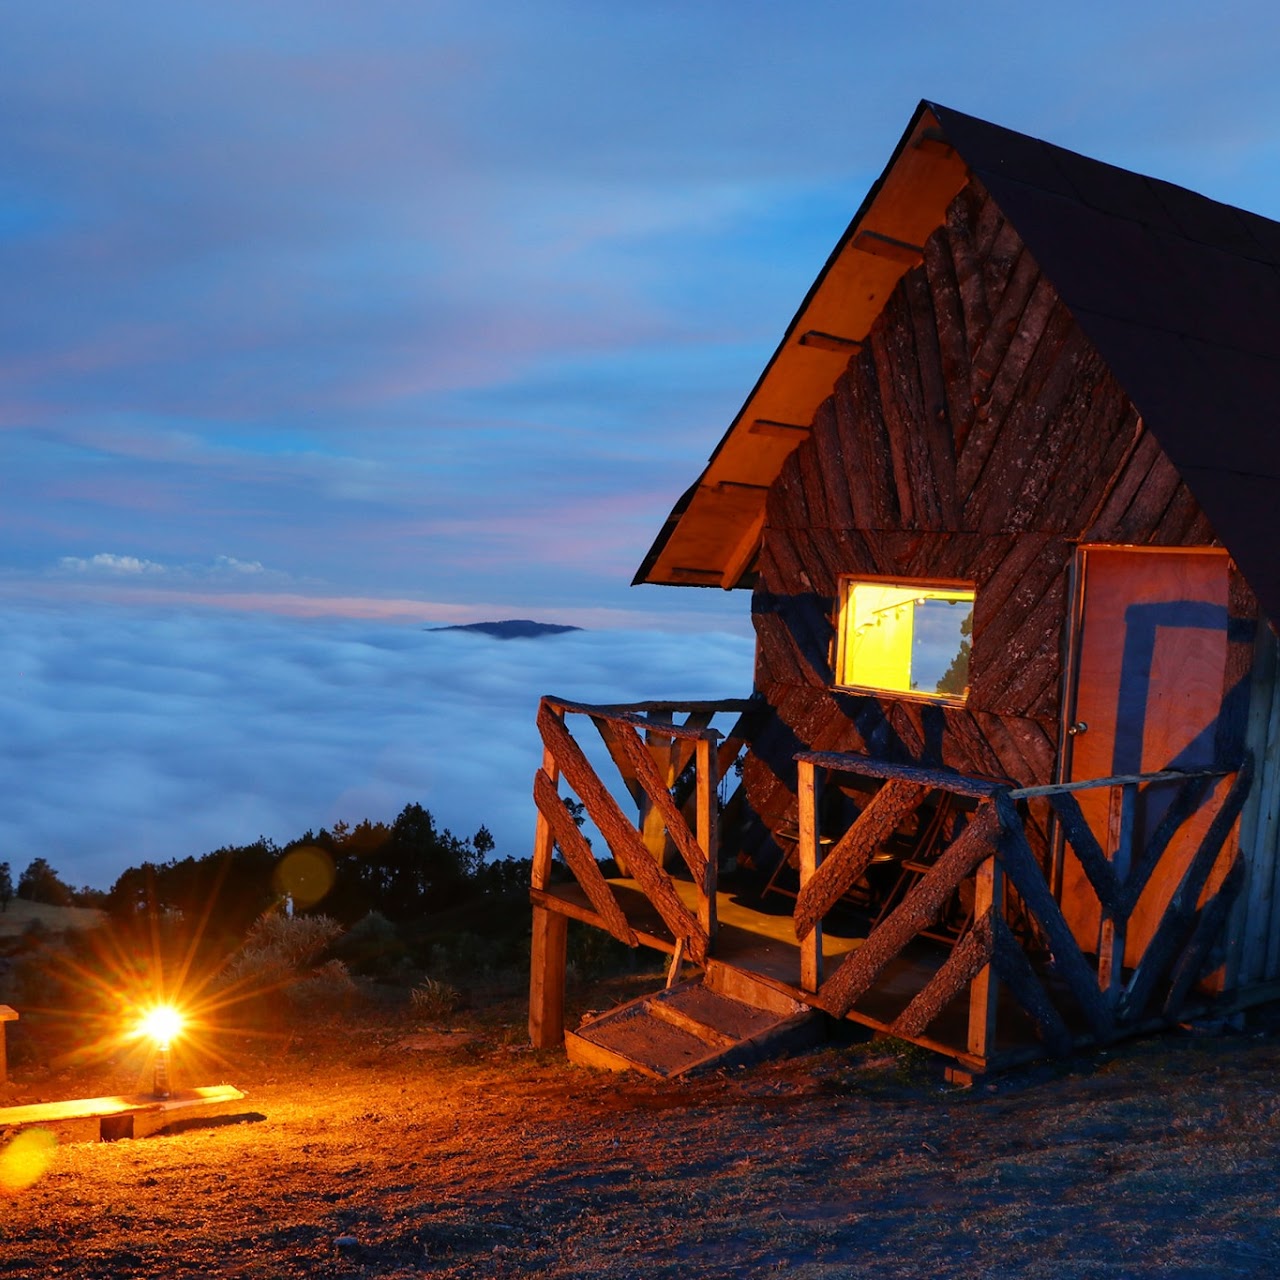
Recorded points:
(1179, 294)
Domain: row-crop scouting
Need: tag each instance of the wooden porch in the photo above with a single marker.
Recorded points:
(924, 903)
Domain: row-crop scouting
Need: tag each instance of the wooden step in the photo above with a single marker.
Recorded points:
(690, 1028)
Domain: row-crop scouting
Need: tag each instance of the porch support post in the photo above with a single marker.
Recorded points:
(810, 854)
(546, 979)
(708, 832)
(550, 936)
(983, 990)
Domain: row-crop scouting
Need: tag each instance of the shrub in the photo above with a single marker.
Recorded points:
(460, 955)
(281, 950)
(330, 987)
(372, 946)
(434, 1000)
(593, 954)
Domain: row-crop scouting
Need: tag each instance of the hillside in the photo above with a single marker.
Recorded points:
(21, 914)
(512, 629)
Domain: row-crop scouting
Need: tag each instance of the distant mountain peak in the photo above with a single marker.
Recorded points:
(511, 629)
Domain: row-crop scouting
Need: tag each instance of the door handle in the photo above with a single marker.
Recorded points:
(1078, 728)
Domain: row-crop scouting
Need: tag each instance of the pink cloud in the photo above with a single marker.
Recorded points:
(119, 347)
(393, 610)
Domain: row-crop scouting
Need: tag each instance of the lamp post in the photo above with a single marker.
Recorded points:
(162, 1024)
(160, 1076)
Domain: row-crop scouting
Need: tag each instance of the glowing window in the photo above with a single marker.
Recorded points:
(905, 637)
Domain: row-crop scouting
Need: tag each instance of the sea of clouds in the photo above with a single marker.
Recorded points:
(138, 736)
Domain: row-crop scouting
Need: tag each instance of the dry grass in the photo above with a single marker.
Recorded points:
(478, 1157)
(20, 914)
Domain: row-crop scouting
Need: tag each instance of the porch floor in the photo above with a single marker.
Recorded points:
(759, 941)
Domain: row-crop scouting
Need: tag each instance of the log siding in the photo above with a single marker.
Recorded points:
(977, 436)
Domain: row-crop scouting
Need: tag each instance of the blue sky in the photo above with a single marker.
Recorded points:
(396, 312)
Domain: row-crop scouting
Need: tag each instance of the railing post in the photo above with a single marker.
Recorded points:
(1111, 936)
(543, 840)
(708, 833)
(810, 854)
(653, 827)
(988, 892)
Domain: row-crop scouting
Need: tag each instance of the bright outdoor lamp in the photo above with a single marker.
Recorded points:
(161, 1023)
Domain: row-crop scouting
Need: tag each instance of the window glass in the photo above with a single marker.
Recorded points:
(905, 637)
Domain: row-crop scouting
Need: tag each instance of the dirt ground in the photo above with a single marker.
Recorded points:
(378, 1147)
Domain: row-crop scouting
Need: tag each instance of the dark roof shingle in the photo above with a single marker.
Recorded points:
(1181, 296)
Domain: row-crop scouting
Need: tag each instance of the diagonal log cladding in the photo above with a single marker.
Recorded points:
(652, 784)
(1089, 853)
(1178, 921)
(1014, 970)
(620, 835)
(1023, 870)
(581, 861)
(1189, 798)
(852, 853)
(968, 958)
(918, 910)
(1198, 956)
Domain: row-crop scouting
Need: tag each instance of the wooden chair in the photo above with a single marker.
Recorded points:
(787, 838)
(842, 808)
(935, 832)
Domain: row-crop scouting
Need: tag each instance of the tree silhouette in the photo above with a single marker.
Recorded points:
(955, 680)
(41, 883)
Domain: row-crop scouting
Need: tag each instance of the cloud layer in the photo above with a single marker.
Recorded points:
(135, 736)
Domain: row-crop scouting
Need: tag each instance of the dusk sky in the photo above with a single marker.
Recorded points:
(325, 321)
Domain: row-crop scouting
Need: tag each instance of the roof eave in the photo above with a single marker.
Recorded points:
(713, 533)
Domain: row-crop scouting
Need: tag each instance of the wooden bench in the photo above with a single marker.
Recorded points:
(116, 1115)
(7, 1014)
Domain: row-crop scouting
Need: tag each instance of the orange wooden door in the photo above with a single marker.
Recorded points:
(1151, 653)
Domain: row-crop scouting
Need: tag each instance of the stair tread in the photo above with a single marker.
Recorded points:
(720, 1013)
(636, 1034)
(675, 1030)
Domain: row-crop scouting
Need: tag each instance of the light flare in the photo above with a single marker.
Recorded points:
(26, 1159)
(162, 1023)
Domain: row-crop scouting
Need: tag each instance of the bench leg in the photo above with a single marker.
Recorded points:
(113, 1128)
(7, 1015)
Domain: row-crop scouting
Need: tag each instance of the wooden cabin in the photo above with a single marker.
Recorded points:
(1004, 500)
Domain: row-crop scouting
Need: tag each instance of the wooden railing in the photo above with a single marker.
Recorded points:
(672, 773)
(992, 848)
